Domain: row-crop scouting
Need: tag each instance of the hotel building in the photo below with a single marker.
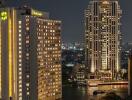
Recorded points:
(30, 55)
(103, 36)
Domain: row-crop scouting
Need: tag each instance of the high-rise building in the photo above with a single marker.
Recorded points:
(103, 36)
(30, 55)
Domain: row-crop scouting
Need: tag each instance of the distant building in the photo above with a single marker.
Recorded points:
(81, 77)
(73, 46)
(101, 75)
(30, 55)
(130, 75)
(79, 74)
(103, 36)
(125, 52)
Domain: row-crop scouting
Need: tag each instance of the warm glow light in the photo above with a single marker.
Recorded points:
(0, 62)
(14, 51)
(36, 13)
(105, 2)
(10, 57)
(3, 15)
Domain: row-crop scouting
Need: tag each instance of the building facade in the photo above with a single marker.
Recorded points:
(103, 36)
(130, 75)
(30, 55)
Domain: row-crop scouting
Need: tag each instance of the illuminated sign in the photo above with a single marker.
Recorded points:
(3, 15)
(36, 13)
(105, 2)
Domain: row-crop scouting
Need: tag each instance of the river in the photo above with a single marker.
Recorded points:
(86, 93)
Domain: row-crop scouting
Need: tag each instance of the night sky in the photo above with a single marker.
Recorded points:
(71, 13)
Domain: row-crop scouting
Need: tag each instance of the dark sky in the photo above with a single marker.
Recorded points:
(71, 13)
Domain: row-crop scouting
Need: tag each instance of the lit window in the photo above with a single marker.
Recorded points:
(19, 22)
(20, 43)
(27, 84)
(20, 31)
(20, 98)
(27, 93)
(27, 76)
(20, 51)
(20, 56)
(20, 60)
(20, 73)
(20, 39)
(27, 41)
(20, 90)
(20, 68)
(20, 47)
(20, 26)
(20, 77)
(27, 28)
(20, 35)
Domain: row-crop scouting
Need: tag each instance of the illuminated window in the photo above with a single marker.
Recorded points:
(27, 76)
(20, 31)
(20, 26)
(27, 84)
(20, 68)
(27, 28)
(27, 93)
(20, 35)
(27, 41)
(20, 73)
(20, 48)
(19, 22)
(20, 43)
(20, 98)
(20, 90)
(20, 77)
(20, 84)
(20, 51)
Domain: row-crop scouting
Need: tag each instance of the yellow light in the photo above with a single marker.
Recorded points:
(36, 13)
(0, 63)
(105, 2)
(3, 15)
(14, 54)
(10, 57)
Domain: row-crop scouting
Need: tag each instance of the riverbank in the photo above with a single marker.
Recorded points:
(71, 92)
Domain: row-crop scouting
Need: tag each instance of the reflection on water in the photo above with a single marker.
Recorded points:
(77, 93)
(120, 90)
(86, 93)
(91, 90)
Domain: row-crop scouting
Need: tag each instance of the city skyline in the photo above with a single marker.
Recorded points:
(50, 47)
(72, 14)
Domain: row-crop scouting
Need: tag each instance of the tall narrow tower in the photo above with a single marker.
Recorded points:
(103, 36)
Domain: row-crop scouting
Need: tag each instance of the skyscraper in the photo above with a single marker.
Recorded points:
(103, 36)
(30, 55)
